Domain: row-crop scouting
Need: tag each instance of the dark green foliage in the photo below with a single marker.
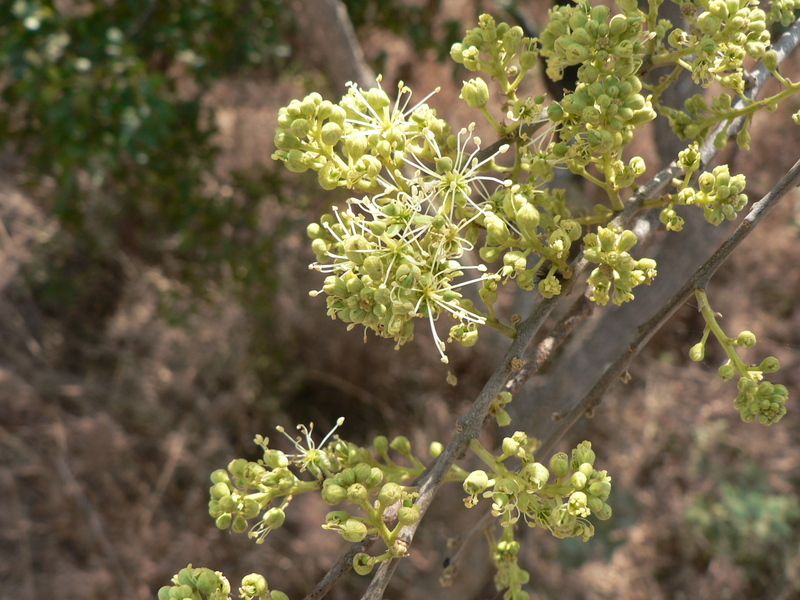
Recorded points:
(106, 99)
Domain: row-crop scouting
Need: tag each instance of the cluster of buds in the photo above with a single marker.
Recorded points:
(343, 472)
(618, 272)
(757, 398)
(720, 38)
(195, 583)
(583, 34)
(499, 49)
(720, 195)
(397, 252)
(562, 507)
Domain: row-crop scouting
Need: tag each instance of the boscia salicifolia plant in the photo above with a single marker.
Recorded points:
(434, 210)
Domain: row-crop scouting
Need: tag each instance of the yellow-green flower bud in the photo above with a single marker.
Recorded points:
(390, 493)
(769, 365)
(333, 493)
(510, 446)
(527, 59)
(362, 563)
(697, 352)
(239, 524)
(354, 530)
(223, 521)
(726, 372)
(746, 339)
(604, 513)
(535, 473)
(627, 240)
(219, 490)
(402, 445)
(476, 482)
(278, 595)
(559, 465)
(578, 480)
(408, 515)
(475, 93)
(331, 133)
(435, 449)
(254, 585)
(357, 493)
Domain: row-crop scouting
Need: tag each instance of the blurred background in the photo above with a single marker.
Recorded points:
(154, 317)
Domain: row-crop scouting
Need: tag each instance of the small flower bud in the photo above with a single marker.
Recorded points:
(435, 449)
(726, 372)
(770, 60)
(402, 445)
(223, 521)
(408, 515)
(362, 563)
(746, 339)
(354, 530)
(254, 585)
(559, 465)
(333, 493)
(578, 480)
(697, 352)
(357, 493)
(390, 493)
(475, 93)
(769, 365)
(476, 482)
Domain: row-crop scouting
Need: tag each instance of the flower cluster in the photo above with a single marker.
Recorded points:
(722, 34)
(498, 49)
(757, 398)
(190, 583)
(341, 470)
(618, 272)
(562, 507)
(395, 253)
(720, 195)
(584, 35)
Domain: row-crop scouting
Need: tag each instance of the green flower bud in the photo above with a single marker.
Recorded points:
(389, 494)
(408, 515)
(527, 59)
(559, 465)
(219, 490)
(333, 493)
(402, 445)
(476, 482)
(223, 521)
(746, 339)
(496, 228)
(604, 513)
(254, 585)
(475, 93)
(354, 530)
(286, 141)
(697, 352)
(510, 446)
(535, 473)
(274, 517)
(375, 478)
(769, 365)
(578, 480)
(331, 133)
(583, 453)
(435, 449)
(277, 595)
(239, 524)
(490, 253)
(165, 592)
(357, 493)
(363, 563)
